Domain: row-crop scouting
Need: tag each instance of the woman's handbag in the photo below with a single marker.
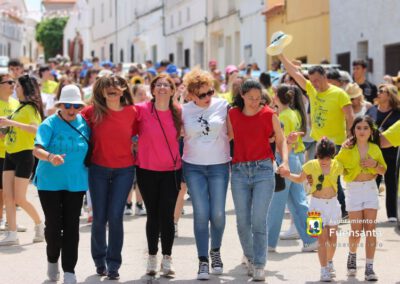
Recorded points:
(279, 181)
(88, 157)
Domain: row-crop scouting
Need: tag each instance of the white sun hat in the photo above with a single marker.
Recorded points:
(70, 94)
(279, 40)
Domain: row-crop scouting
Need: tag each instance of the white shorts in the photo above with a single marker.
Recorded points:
(361, 195)
(329, 209)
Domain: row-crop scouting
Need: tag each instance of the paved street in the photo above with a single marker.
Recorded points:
(27, 263)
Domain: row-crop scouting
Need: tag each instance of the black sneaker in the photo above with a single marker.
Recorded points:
(369, 273)
(101, 271)
(113, 275)
(216, 262)
(203, 273)
(352, 264)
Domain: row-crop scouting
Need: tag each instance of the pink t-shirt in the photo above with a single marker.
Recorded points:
(153, 153)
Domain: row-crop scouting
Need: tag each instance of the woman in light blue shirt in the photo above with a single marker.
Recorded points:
(62, 180)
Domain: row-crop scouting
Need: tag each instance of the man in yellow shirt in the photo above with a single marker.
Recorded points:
(391, 137)
(331, 111)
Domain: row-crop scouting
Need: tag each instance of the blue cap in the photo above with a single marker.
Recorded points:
(157, 65)
(152, 71)
(172, 69)
(106, 62)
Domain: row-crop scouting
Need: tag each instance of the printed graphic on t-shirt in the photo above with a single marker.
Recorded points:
(320, 114)
(204, 124)
(66, 144)
(12, 136)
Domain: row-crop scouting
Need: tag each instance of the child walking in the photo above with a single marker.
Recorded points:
(324, 171)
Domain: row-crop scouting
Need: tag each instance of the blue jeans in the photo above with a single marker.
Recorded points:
(253, 186)
(207, 186)
(295, 196)
(109, 189)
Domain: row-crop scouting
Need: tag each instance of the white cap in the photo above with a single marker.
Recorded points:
(70, 94)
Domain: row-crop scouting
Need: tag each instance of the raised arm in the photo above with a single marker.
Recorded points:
(293, 71)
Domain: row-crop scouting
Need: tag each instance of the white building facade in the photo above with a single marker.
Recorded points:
(366, 29)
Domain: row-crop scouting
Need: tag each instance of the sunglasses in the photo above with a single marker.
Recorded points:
(208, 94)
(9, 82)
(321, 180)
(381, 91)
(75, 106)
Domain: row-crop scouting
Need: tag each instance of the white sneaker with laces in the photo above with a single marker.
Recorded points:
(69, 278)
(53, 271)
(20, 228)
(140, 210)
(331, 269)
(39, 233)
(259, 274)
(392, 219)
(10, 239)
(151, 265)
(290, 234)
(325, 275)
(166, 266)
(310, 247)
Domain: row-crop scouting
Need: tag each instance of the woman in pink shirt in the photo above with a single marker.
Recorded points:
(112, 120)
(159, 168)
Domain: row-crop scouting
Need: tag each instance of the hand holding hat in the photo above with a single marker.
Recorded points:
(279, 41)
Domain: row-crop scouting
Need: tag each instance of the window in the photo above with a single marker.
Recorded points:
(248, 52)
(392, 59)
(121, 55)
(92, 53)
(187, 58)
(112, 52)
(171, 57)
(154, 53)
(343, 59)
(103, 53)
(303, 59)
(132, 53)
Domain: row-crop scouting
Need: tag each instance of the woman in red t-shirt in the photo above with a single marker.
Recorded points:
(112, 119)
(253, 182)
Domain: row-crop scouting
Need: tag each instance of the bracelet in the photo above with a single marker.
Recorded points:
(48, 157)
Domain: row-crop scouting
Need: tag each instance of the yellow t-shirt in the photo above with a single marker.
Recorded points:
(327, 116)
(227, 96)
(49, 87)
(6, 109)
(18, 140)
(291, 123)
(392, 134)
(350, 158)
(314, 169)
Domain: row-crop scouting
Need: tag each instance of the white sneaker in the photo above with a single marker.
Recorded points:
(10, 239)
(259, 274)
(39, 233)
(53, 271)
(204, 271)
(290, 234)
(331, 269)
(271, 249)
(310, 247)
(2, 225)
(166, 266)
(392, 219)
(128, 209)
(140, 210)
(69, 278)
(151, 265)
(325, 275)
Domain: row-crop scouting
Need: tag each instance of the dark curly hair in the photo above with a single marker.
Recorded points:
(31, 91)
(325, 149)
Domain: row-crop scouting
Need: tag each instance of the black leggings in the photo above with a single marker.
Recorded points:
(159, 191)
(61, 210)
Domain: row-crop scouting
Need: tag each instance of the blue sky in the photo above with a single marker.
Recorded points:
(33, 5)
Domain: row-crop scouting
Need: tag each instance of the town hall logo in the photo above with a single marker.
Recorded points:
(314, 224)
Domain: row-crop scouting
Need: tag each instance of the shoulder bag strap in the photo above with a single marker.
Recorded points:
(74, 128)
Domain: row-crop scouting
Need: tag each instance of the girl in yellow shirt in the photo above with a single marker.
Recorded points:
(362, 162)
(324, 171)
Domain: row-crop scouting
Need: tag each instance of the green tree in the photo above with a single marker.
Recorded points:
(49, 33)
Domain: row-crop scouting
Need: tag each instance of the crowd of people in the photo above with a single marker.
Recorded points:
(96, 131)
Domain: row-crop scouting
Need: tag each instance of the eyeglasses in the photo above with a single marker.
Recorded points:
(161, 85)
(321, 180)
(75, 106)
(9, 82)
(208, 94)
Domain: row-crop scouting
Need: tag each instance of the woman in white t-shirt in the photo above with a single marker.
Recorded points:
(206, 157)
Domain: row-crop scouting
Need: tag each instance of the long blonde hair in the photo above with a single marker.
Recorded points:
(98, 100)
